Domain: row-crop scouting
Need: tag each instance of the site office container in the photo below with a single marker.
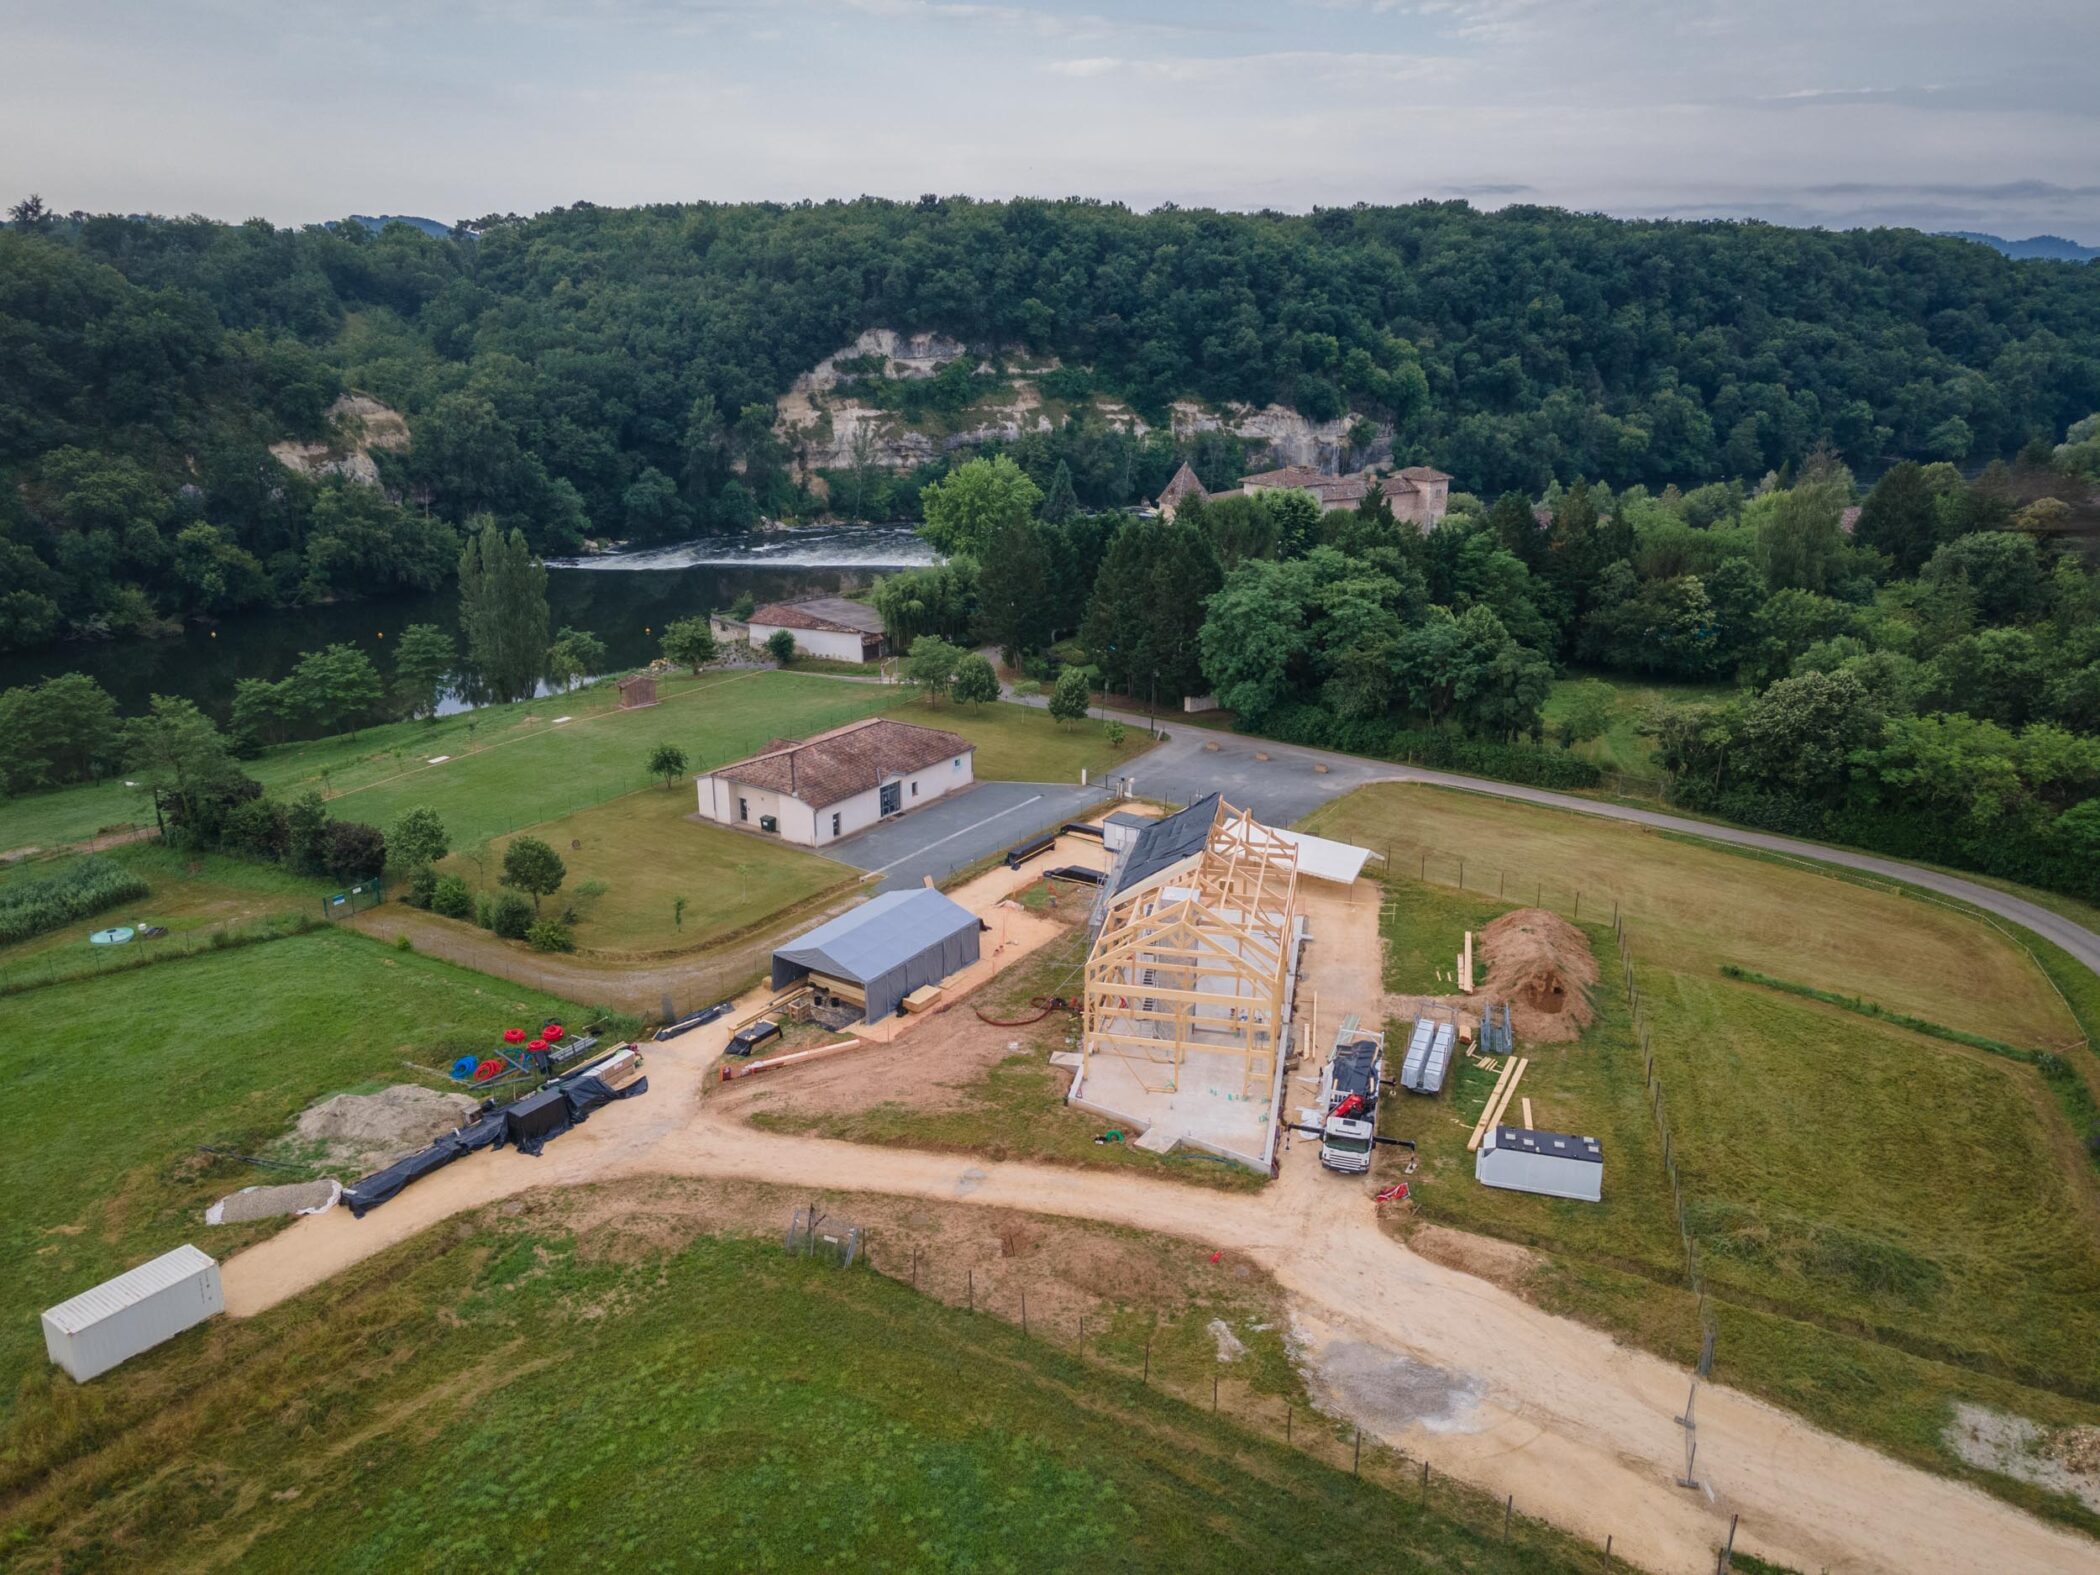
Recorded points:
(134, 1312)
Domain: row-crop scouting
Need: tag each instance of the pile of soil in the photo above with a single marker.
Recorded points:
(1540, 964)
(369, 1129)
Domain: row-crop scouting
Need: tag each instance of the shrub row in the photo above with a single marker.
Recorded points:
(33, 907)
(1382, 739)
(1917, 1025)
(2033, 853)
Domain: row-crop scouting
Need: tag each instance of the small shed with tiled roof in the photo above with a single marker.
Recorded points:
(816, 790)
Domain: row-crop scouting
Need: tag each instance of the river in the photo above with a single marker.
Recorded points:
(625, 599)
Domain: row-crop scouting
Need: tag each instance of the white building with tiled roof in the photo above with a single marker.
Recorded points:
(816, 790)
(830, 626)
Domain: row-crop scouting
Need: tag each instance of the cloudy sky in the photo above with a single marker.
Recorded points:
(1940, 113)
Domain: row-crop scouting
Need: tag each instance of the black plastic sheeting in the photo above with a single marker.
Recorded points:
(529, 1124)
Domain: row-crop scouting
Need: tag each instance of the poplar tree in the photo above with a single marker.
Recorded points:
(503, 610)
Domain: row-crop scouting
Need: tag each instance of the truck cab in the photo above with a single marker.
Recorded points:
(1345, 1144)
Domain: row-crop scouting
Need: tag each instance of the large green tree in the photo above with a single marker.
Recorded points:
(966, 512)
(503, 610)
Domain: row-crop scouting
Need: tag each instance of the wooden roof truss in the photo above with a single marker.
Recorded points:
(1197, 958)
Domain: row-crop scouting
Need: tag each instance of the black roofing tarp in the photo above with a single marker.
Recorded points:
(1167, 842)
(376, 1188)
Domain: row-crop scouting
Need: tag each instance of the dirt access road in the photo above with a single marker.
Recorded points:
(1447, 1366)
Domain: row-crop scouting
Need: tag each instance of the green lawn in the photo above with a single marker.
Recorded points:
(1626, 745)
(648, 851)
(517, 765)
(501, 1395)
(1018, 743)
(118, 1080)
(1889, 1222)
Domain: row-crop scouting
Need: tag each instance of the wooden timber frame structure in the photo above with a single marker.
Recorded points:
(1197, 956)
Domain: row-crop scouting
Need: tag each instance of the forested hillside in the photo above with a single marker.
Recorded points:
(613, 372)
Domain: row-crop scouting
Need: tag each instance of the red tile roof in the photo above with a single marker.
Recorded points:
(1289, 476)
(1183, 485)
(1420, 473)
(827, 767)
(832, 613)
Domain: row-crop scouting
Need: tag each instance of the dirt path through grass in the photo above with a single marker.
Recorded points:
(1580, 1429)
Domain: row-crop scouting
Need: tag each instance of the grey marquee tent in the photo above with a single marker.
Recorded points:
(888, 947)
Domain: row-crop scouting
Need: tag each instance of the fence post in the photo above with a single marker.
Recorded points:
(1213, 1394)
(972, 1281)
(1607, 1553)
(1461, 874)
(1287, 1423)
(1024, 1312)
(1425, 1483)
(1356, 1465)
(1148, 1358)
(1509, 1510)
(1578, 903)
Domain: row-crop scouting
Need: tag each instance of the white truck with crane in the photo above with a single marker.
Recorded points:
(1349, 1098)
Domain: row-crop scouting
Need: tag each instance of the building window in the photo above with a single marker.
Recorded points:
(915, 790)
(743, 809)
(834, 825)
(956, 763)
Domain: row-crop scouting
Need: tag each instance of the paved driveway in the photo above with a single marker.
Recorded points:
(1280, 790)
(959, 829)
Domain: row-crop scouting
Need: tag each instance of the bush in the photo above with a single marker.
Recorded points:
(510, 916)
(422, 888)
(551, 935)
(257, 829)
(1383, 739)
(484, 912)
(32, 907)
(352, 850)
(450, 899)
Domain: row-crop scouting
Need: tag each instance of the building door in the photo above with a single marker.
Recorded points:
(892, 797)
(743, 809)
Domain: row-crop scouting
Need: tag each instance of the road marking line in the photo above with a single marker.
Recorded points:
(884, 869)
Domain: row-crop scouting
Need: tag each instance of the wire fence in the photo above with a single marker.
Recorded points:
(1105, 1341)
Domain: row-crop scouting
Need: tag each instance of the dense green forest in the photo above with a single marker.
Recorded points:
(612, 371)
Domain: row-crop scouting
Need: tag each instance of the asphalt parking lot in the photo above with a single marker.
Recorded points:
(959, 829)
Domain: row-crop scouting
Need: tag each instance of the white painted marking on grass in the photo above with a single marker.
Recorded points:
(884, 869)
(557, 722)
(438, 760)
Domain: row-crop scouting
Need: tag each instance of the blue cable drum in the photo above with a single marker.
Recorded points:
(463, 1068)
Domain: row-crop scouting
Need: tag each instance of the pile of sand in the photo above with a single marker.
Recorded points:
(1540, 964)
(368, 1129)
(262, 1203)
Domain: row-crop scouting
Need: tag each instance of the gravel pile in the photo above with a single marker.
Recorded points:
(262, 1203)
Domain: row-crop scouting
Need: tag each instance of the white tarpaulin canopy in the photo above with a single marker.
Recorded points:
(1323, 859)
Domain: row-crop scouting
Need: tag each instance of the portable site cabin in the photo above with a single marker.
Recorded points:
(1123, 828)
(883, 950)
(118, 1319)
(1554, 1164)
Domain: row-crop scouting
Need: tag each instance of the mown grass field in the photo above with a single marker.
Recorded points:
(188, 892)
(648, 851)
(508, 1395)
(516, 765)
(1888, 1222)
(1694, 906)
(117, 1081)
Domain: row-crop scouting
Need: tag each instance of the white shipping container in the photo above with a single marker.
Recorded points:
(134, 1312)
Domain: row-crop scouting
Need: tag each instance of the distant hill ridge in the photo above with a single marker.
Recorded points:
(2053, 247)
(427, 226)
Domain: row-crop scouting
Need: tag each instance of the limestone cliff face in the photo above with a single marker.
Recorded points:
(359, 424)
(828, 431)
